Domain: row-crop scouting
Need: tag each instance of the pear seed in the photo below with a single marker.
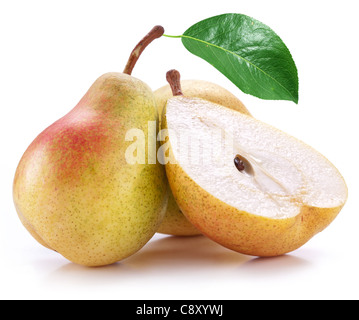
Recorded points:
(238, 162)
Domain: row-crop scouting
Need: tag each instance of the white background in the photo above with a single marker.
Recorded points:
(50, 54)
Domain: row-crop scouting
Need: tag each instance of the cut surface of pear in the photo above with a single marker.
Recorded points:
(246, 184)
(174, 222)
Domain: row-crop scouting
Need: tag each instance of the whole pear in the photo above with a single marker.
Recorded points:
(174, 222)
(74, 188)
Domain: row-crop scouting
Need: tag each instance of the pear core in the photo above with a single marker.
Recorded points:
(281, 174)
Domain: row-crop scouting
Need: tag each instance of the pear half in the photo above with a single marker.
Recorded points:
(174, 222)
(245, 184)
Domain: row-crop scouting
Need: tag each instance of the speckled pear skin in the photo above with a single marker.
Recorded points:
(242, 231)
(73, 189)
(175, 223)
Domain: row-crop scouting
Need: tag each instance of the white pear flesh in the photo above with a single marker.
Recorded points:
(285, 193)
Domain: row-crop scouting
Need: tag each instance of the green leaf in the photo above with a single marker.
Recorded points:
(248, 53)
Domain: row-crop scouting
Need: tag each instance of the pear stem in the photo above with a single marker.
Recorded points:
(174, 79)
(156, 32)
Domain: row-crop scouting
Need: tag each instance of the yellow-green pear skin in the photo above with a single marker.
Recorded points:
(175, 223)
(75, 191)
